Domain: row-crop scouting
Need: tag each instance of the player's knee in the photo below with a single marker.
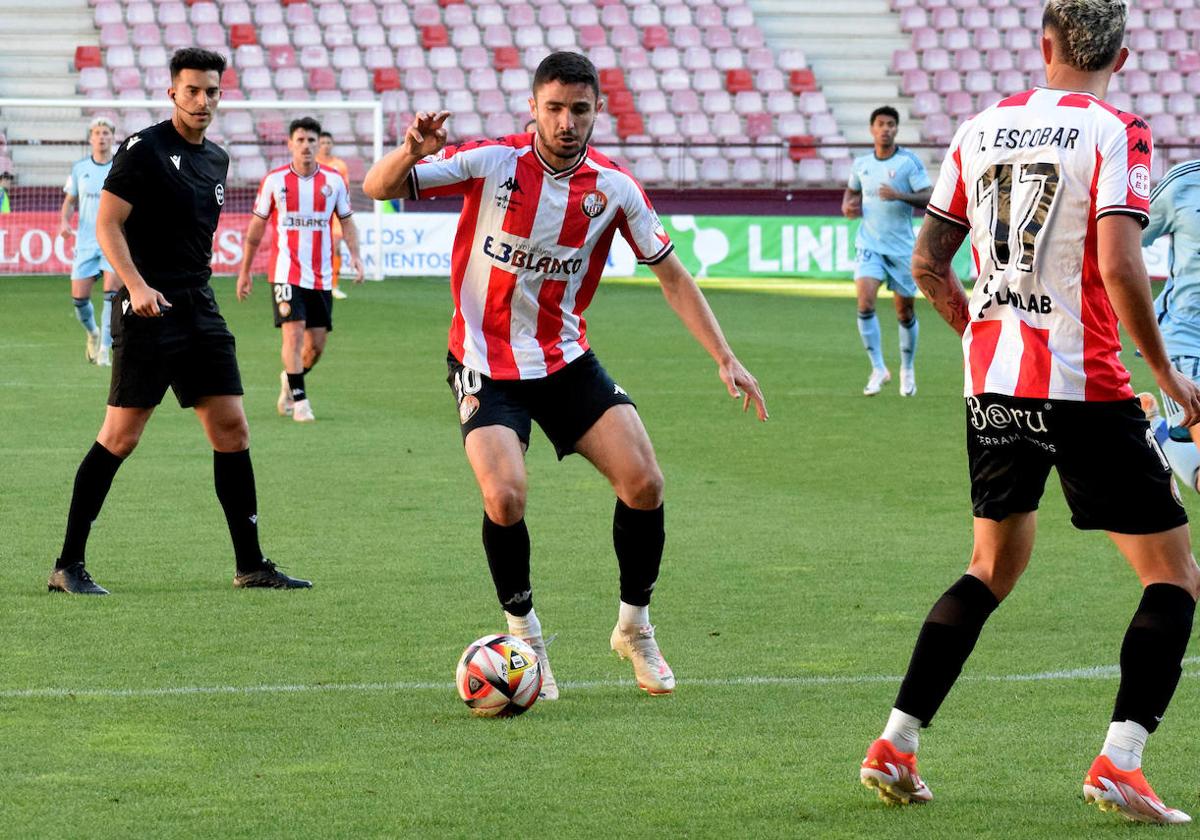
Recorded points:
(120, 442)
(645, 491)
(505, 504)
(231, 434)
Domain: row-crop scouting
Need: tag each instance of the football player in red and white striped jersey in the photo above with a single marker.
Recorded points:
(539, 216)
(304, 198)
(1052, 185)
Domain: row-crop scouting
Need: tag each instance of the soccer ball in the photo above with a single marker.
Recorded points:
(498, 676)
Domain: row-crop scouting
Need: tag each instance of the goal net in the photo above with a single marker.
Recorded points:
(40, 139)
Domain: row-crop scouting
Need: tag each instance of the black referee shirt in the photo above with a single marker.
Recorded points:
(176, 189)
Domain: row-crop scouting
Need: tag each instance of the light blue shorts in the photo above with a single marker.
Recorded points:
(896, 271)
(88, 263)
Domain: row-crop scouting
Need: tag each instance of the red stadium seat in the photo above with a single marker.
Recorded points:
(387, 78)
(802, 81)
(507, 58)
(281, 57)
(292, 2)
(229, 80)
(630, 124)
(655, 36)
(738, 80)
(620, 102)
(449, 2)
(241, 34)
(612, 78)
(802, 147)
(87, 57)
(434, 36)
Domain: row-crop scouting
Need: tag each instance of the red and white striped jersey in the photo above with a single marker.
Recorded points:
(1030, 176)
(530, 247)
(302, 254)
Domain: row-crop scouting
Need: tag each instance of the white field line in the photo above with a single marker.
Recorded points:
(1090, 673)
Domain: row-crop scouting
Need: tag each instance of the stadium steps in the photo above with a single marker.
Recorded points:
(849, 45)
(38, 61)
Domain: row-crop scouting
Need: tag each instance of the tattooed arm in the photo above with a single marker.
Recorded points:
(937, 243)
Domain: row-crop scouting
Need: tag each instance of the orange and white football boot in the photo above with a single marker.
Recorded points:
(893, 774)
(1127, 792)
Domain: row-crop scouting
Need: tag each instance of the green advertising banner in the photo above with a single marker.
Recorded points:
(772, 246)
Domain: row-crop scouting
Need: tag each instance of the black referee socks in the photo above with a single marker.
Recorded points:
(638, 538)
(507, 549)
(92, 482)
(1152, 654)
(233, 475)
(946, 640)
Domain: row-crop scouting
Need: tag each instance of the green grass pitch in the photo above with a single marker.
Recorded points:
(801, 558)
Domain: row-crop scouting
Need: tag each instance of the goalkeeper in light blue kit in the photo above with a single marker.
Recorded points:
(83, 189)
(1175, 210)
(884, 188)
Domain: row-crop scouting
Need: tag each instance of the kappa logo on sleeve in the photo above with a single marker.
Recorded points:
(132, 141)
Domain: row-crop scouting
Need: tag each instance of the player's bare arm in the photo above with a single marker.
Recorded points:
(937, 243)
(253, 239)
(685, 297)
(350, 237)
(852, 204)
(1119, 253)
(67, 211)
(917, 199)
(110, 233)
(388, 178)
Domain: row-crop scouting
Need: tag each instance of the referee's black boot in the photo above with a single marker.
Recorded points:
(268, 577)
(74, 579)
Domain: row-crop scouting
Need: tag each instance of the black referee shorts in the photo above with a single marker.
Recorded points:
(188, 349)
(565, 404)
(1113, 473)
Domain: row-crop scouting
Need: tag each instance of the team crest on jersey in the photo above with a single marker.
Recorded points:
(467, 408)
(326, 190)
(593, 203)
(220, 192)
(1139, 180)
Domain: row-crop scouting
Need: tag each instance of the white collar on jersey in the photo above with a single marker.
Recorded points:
(560, 173)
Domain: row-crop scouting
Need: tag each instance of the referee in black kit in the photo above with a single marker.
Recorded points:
(157, 216)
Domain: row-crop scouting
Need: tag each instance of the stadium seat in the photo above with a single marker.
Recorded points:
(630, 124)
(87, 56)
(904, 60)
(802, 81)
(620, 101)
(934, 60)
(491, 102)
(106, 14)
(434, 36)
(145, 34)
(281, 56)
(273, 35)
(241, 34)
(759, 125)
(232, 14)
(211, 36)
(926, 38)
(346, 56)
(499, 125)
(482, 79)
(506, 58)
(314, 57)
(204, 13)
(268, 14)
(653, 37)
(406, 58)
(812, 171)
(93, 79)
(256, 78)
(801, 147)
(417, 79)
(781, 102)
(440, 58)
(521, 17)
(748, 102)
(738, 80)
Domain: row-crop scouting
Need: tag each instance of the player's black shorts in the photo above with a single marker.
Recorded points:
(565, 404)
(188, 349)
(295, 303)
(1113, 474)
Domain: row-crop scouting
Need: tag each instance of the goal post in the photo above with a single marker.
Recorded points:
(41, 138)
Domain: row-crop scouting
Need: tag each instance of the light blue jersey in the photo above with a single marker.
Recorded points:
(887, 226)
(84, 183)
(1175, 210)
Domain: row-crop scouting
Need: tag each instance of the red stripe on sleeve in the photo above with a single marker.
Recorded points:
(575, 221)
(1076, 100)
(524, 197)
(318, 240)
(985, 335)
(1016, 100)
(1033, 380)
(497, 324)
(291, 186)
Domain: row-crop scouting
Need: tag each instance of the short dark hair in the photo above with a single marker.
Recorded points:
(884, 111)
(194, 58)
(325, 134)
(569, 68)
(306, 123)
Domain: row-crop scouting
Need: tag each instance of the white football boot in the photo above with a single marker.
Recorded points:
(908, 382)
(879, 378)
(549, 684)
(338, 294)
(302, 412)
(93, 345)
(284, 404)
(637, 644)
(103, 357)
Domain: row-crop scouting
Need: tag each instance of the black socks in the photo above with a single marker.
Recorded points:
(507, 549)
(296, 386)
(233, 475)
(1152, 654)
(946, 640)
(92, 482)
(638, 537)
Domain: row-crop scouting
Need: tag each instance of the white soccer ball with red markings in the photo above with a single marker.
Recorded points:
(498, 676)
